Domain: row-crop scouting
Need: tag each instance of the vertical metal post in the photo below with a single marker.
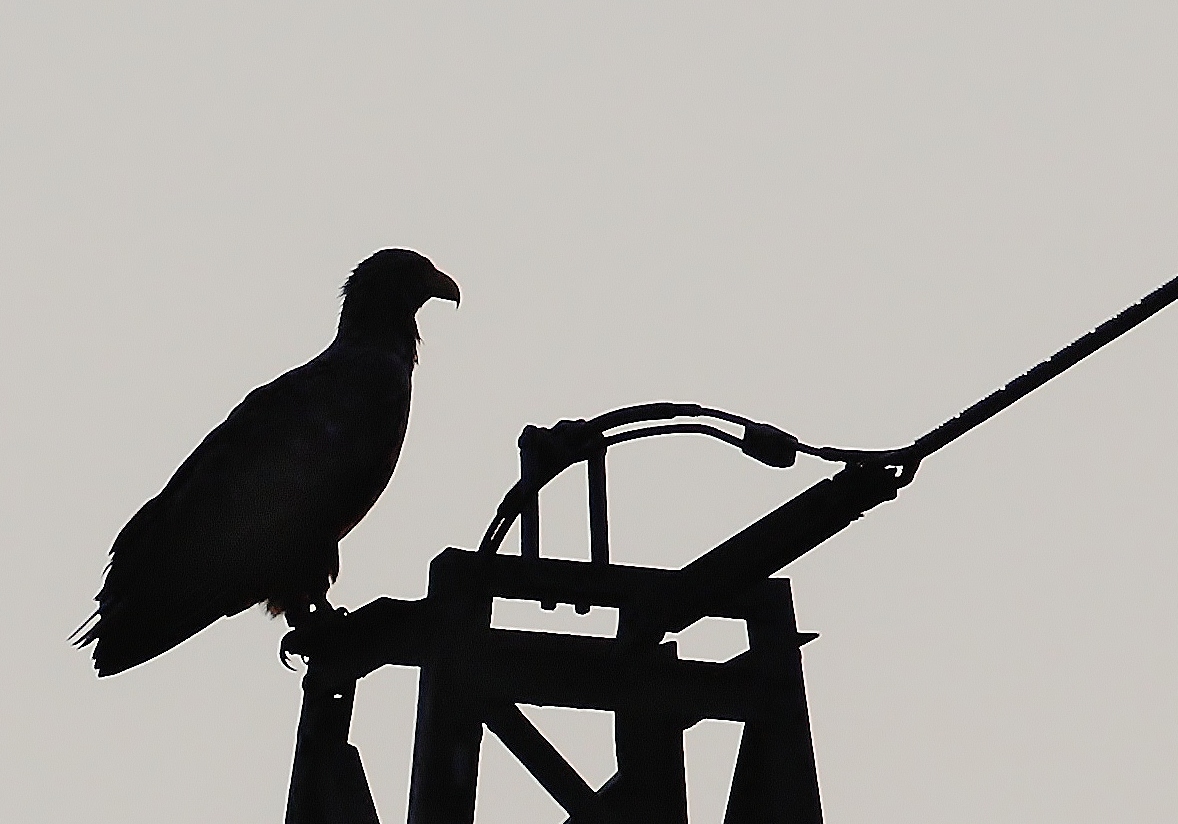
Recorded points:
(598, 512)
(327, 783)
(449, 724)
(776, 781)
(598, 517)
(529, 523)
(650, 786)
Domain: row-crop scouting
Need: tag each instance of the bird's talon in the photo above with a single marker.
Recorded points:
(284, 651)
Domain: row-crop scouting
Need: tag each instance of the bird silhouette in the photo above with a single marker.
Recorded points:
(256, 512)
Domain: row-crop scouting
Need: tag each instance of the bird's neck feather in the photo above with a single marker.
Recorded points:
(399, 338)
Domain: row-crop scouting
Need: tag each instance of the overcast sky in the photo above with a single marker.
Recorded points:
(849, 219)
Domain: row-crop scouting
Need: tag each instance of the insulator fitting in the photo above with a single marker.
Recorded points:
(769, 445)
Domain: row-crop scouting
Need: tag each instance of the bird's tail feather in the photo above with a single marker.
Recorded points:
(85, 639)
(126, 635)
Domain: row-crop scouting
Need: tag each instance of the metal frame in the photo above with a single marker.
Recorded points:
(474, 676)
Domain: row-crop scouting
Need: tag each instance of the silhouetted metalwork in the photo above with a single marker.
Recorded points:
(475, 676)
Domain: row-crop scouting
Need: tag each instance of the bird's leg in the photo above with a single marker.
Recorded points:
(322, 607)
(296, 614)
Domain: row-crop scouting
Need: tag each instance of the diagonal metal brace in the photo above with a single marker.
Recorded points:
(542, 760)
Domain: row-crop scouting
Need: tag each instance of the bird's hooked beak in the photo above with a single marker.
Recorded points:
(443, 286)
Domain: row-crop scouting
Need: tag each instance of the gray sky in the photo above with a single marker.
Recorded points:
(849, 219)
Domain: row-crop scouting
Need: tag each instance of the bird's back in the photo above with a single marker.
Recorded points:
(255, 511)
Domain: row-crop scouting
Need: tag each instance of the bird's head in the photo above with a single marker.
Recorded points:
(385, 291)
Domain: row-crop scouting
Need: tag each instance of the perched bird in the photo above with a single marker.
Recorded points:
(257, 510)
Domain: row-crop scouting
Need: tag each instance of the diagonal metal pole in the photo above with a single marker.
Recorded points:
(566, 786)
(1019, 388)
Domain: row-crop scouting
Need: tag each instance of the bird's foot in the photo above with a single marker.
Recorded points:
(311, 625)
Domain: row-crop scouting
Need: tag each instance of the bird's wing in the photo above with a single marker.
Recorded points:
(256, 508)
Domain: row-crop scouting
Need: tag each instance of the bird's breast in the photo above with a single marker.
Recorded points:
(370, 431)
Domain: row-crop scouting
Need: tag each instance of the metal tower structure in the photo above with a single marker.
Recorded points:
(474, 676)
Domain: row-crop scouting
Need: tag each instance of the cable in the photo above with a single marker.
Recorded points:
(570, 442)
